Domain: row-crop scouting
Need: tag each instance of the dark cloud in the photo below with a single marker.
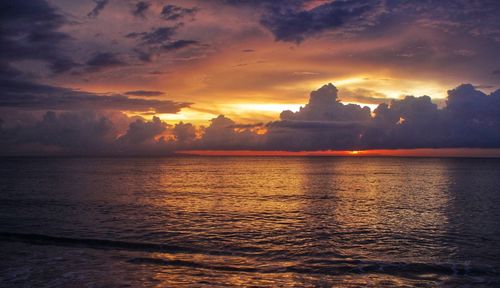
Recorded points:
(412, 122)
(477, 18)
(173, 13)
(103, 60)
(470, 119)
(144, 93)
(324, 123)
(179, 44)
(85, 133)
(140, 8)
(155, 36)
(324, 106)
(99, 6)
(27, 95)
(30, 30)
(184, 133)
(143, 55)
(294, 23)
(496, 72)
(157, 41)
(291, 4)
(221, 135)
(141, 131)
(74, 100)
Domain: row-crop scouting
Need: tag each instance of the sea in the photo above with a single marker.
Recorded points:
(249, 222)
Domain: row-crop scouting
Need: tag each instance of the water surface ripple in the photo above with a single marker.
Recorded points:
(243, 221)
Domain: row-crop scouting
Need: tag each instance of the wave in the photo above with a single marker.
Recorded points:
(341, 267)
(303, 265)
(39, 239)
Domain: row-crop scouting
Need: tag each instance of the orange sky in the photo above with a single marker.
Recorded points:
(445, 152)
(240, 70)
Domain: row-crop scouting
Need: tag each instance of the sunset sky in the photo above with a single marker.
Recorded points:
(110, 76)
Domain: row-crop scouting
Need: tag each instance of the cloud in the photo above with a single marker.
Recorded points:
(142, 131)
(179, 44)
(85, 133)
(155, 36)
(159, 40)
(412, 122)
(171, 12)
(364, 96)
(144, 93)
(99, 6)
(293, 23)
(324, 123)
(20, 93)
(140, 8)
(220, 135)
(30, 30)
(324, 106)
(184, 133)
(103, 60)
(470, 119)
(74, 100)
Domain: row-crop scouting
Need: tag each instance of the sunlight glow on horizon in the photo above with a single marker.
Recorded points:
(418, 152)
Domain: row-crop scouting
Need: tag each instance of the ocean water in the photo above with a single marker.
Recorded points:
(249, 221)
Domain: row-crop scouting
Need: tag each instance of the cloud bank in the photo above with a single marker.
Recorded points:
(470, 119)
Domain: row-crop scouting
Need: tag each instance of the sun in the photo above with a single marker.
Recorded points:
(354, 153)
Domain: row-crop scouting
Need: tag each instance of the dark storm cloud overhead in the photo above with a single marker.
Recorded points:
(295, 24)
(30, 30)
(479, 18)
(140, 8)
(172, 13)
(291, 4)
(99, 6)
(295, 21)
(144, 93)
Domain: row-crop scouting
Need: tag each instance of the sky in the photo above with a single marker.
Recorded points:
(105, 77)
